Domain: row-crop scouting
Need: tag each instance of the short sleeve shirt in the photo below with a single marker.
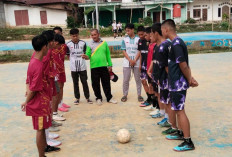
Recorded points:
(59, 56)
(156, 70)
(130, 45)
(150, 54)
(143, 48)
(114, 25)
(39, 105)
(119, 26)
(177, 54)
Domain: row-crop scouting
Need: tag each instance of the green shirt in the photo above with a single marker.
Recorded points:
(99, 54)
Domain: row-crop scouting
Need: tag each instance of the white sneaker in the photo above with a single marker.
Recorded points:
(58, 117)
(99, 102)
(53, 135)
(155, 111)
(53, 143)
(53, 129)
(113, 101)
(149, 108)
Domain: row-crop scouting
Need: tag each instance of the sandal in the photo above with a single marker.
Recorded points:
(140, 99)
(124, 99)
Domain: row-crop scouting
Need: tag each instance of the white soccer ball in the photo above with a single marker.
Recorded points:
(123, 136)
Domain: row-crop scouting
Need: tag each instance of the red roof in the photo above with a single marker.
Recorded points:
(45, 1)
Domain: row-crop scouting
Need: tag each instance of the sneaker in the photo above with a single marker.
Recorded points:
(89, 101)
(169, 131)
(56, 124)
(77, 102)
(113, 101)
(53, 129)
(58, 117)
(149, 108)
(65, 105)
(53, 135)
(165, 124)
(63, 109)
(155, 111)
(49, 149)
(185, 146)
(145, 104)
(140, 99)
(158, 115)
(53, 142)
(175, 136)
(99, 102)
(162, 121)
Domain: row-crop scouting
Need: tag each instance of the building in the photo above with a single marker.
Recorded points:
(209, 10)
(34, 12)
(130, 11)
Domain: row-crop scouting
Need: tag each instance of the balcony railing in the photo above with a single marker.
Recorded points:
(99, 1)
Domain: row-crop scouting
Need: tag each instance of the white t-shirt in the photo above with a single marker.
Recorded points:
(131, 48)
(119, 26)
(114, 25)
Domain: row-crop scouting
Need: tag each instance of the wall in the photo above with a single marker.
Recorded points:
(2, 15)
(54, 17)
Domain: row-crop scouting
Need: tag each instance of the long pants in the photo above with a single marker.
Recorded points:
(101, 74)
(126, 79)
(83, 76)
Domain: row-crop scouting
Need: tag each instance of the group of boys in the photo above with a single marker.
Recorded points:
(117, 29)
(160, 58)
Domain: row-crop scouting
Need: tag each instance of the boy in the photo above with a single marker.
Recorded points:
(179, 78)
(114, 29)
(119, 27)
(131, 62)
(37, 103)
(76, 48)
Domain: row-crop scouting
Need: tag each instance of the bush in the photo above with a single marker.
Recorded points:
(224, 25)
(147, 21)
(71, 23)
(137, 25)
(107, 31)
(190, 20)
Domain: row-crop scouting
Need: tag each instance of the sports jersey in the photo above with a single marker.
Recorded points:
(75, 50)
(150, 54)
(59, 56)
(114, 25)
(143, 48)
(130, 45)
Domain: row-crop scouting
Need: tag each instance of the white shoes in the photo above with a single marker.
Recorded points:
(155, 111)
(58, 117)
(53, 135)
(99, 102)
(113, 101)
(149, 108)
(52, 142)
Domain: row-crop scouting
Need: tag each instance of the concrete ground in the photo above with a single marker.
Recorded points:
(90, 129)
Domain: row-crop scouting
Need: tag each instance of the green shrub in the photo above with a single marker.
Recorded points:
(190, 20)
(137, 25)
(147, 21)
(71, 23)
(224, 25)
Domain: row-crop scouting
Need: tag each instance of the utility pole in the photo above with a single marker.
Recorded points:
(229, 16)
(161, 12)
(212, 15)
(97, 16)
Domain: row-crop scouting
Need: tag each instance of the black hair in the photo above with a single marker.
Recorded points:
(57, 28)
(148, 30)
(156, 28)
(170, 23)
(49, 35)
(141, 29)
(38, 42)
(74, 31)
(59, 38)
(130, 26)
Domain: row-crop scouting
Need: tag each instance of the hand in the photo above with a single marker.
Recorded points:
(23, 107)
(132, 63)
(149, 74)
(194, 83)
(26, 94)
(84, 56)
(109, 69)
(140, 68)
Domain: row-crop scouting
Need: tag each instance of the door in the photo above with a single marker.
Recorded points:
(188, 16)
(21, 17)
(205, 14)
(43, 17)
(156, 17)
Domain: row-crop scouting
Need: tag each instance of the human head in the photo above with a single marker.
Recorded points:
(168, 28)
(74, 33)
(57, 30)
(39, 44)
(95, 35)
(156, 31)
(119, 21)
(140, 32)
(49, 35)
(58, 40)
(130, 29)
(147, 33)
(114, 21)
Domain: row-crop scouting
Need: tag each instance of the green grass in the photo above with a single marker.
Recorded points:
(15, 58)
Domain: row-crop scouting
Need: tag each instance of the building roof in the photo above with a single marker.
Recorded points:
(44, 1)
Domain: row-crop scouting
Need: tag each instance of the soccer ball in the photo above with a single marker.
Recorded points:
(123, 136)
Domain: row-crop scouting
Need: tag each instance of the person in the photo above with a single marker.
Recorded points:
(119, 28)
(58, 30)
(76, 48)
(100, 63)
(131, 62)
(37, 103)
(179, 79)
(114, 28)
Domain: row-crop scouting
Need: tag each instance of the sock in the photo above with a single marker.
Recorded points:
(60, 104)
(166, 116)
(180, 132)
(188, 139)
(174, 128)
(149, 97)
(162, 112)
(55, 113)
(47, 134)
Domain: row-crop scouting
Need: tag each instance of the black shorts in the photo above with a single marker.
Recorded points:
(119, 30)
(155, 87)
(164, 96)
(177, 100)
(149, 80)
(115, 30)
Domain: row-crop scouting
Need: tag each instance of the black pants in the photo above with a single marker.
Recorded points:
(83, 76)
(97, 75)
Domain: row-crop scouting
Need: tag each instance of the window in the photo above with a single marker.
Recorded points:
(219, 12)
(231, 10)
(196, 13)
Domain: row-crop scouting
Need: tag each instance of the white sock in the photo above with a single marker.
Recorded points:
(55, 113)
(162, 112)
(166, 116)
(60, 104)
(47, 134)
